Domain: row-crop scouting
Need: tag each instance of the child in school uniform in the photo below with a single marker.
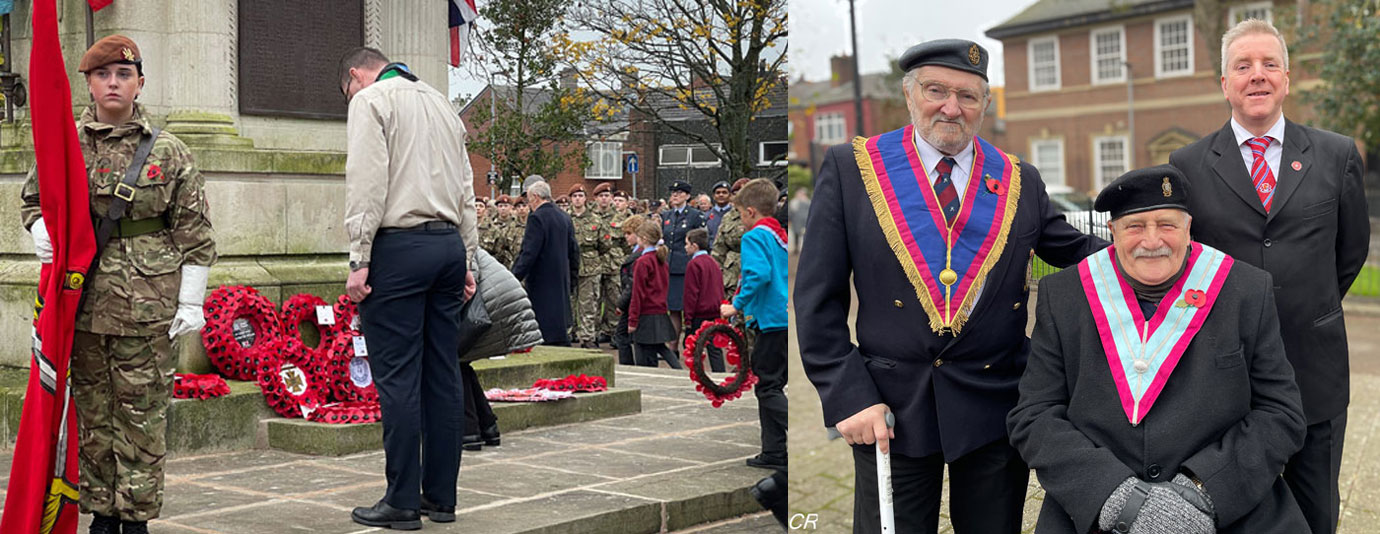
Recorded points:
(649, 322)
(704, 291)
(762, 300)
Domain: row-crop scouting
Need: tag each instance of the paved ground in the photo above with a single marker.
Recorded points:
(678, 448)
(822, 475)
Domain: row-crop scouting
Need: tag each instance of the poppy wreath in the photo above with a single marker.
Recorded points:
(225, 306)
(190, 386)
(346, 313)
(302, 308)
(337, 371)
(292, 386)
(347, 413)
(726, 337)
(582, 382)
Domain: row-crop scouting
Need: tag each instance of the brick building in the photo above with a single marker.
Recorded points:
(1067, 69)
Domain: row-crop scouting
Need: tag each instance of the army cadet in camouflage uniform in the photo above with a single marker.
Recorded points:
(517, 228)
(497, 245)
(593, 235)
(727, 243)
(484, 223)
(609, 286)
(147, 290)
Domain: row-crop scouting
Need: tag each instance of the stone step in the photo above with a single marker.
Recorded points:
(305, 437)
(233, 422)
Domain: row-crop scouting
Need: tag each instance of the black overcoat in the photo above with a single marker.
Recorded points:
(549, 260)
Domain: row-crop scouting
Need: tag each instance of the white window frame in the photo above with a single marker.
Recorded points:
(1093, 58)
(614, 174)
(1099, 180)
(689, 156)
(1159, 46)
(1030, 60)
(1238, 13)
(762, 160)
(1049, 178)
(831, 128)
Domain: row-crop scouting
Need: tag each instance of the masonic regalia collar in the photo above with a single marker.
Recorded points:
(1141, 354)
(946, 264)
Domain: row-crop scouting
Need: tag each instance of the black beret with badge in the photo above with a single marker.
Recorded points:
(1151, 188)
(721, 185)
(680, 185)
(957, 54)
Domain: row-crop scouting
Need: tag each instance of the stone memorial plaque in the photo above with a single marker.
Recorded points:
(289, 55)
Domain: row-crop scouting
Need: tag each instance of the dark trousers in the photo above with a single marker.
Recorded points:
(712, 353)
(478, 414)
(623, 341)
(986, 491)
(1313, 473)
(769, 364)
(411, 322)
(647, 354)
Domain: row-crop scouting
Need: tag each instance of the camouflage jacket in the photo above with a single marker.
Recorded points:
(594, 236)
(134, 289)
(618, 244)
(726, 248)
(513, 232)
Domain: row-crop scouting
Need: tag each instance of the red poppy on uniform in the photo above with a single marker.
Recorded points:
(155, 172)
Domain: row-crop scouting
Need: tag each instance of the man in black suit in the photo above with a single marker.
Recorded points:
(676, 221)
(942, 278)
(549, 260)
(1288, 199)
(1157, 397)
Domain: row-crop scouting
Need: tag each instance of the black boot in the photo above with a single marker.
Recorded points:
(134, 527)
(770, 492)
(383, 515)
(490, 435)
(472, 442)
(439, 514)
(105, 524)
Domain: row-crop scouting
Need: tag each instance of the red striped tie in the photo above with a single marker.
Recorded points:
(944, 189)
(1261, 178)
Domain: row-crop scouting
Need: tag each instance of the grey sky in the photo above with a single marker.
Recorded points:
(819, 29)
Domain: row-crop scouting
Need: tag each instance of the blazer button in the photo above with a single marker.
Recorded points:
(899, 304)
(1268, 243)
(1016, 306)
(938, 362)
(1153, 471)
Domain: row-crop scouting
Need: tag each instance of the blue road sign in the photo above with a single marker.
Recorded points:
(632, 163)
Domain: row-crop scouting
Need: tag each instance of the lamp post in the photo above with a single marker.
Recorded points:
(1130, 117)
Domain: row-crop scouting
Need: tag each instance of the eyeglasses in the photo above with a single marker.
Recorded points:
(938, 92)
(346, 91)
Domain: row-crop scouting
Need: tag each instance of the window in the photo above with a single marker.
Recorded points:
(1174, 46)
(687, 155)
(605, 161)
(1108, 46)
(1048, 157)
(771, 153)
(830, 128)
(1044, 63)
(1253, 10)
(1109, 159)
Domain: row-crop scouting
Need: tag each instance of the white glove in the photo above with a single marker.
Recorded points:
(43, 245)
(189, 317)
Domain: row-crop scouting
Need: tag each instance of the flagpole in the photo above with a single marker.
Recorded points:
(90, 26)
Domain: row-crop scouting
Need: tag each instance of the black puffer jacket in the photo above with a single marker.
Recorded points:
(514, 324)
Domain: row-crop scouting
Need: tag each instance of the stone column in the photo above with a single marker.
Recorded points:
(418, 37)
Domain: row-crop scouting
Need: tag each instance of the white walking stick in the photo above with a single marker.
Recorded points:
(884, 498)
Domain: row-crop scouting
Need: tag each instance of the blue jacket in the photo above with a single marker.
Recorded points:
(762, 285)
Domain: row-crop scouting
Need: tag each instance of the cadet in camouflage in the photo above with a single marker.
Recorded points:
(517, 228)
(122, 353)
(609, 286)
(593, 235)
(497, 245)
(727, 243)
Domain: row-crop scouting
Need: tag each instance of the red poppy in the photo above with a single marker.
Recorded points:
(593, 227)
(155, 172)
(103, 170)
(996, 186)
(1195, 298)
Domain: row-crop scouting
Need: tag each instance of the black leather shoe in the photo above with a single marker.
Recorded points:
(490, 436)
(439, 514)
(383, 515)
(134, 527)
(767, 462)
(105, 524)
(770, 492)
(472, 442)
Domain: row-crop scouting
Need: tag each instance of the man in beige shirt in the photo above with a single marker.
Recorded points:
(409, 214)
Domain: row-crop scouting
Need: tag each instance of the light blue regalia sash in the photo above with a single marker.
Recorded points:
(946, 264)
(1142, 354)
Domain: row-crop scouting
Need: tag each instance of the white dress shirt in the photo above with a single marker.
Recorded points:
(1273, 153)
(962, 171)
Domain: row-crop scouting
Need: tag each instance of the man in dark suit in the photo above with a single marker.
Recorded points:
(1288, 199)
(676, 221)
(549, 260)
(1157, 397)
(942, 277)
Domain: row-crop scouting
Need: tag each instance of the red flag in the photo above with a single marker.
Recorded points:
(97, 5)
(42, 495)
